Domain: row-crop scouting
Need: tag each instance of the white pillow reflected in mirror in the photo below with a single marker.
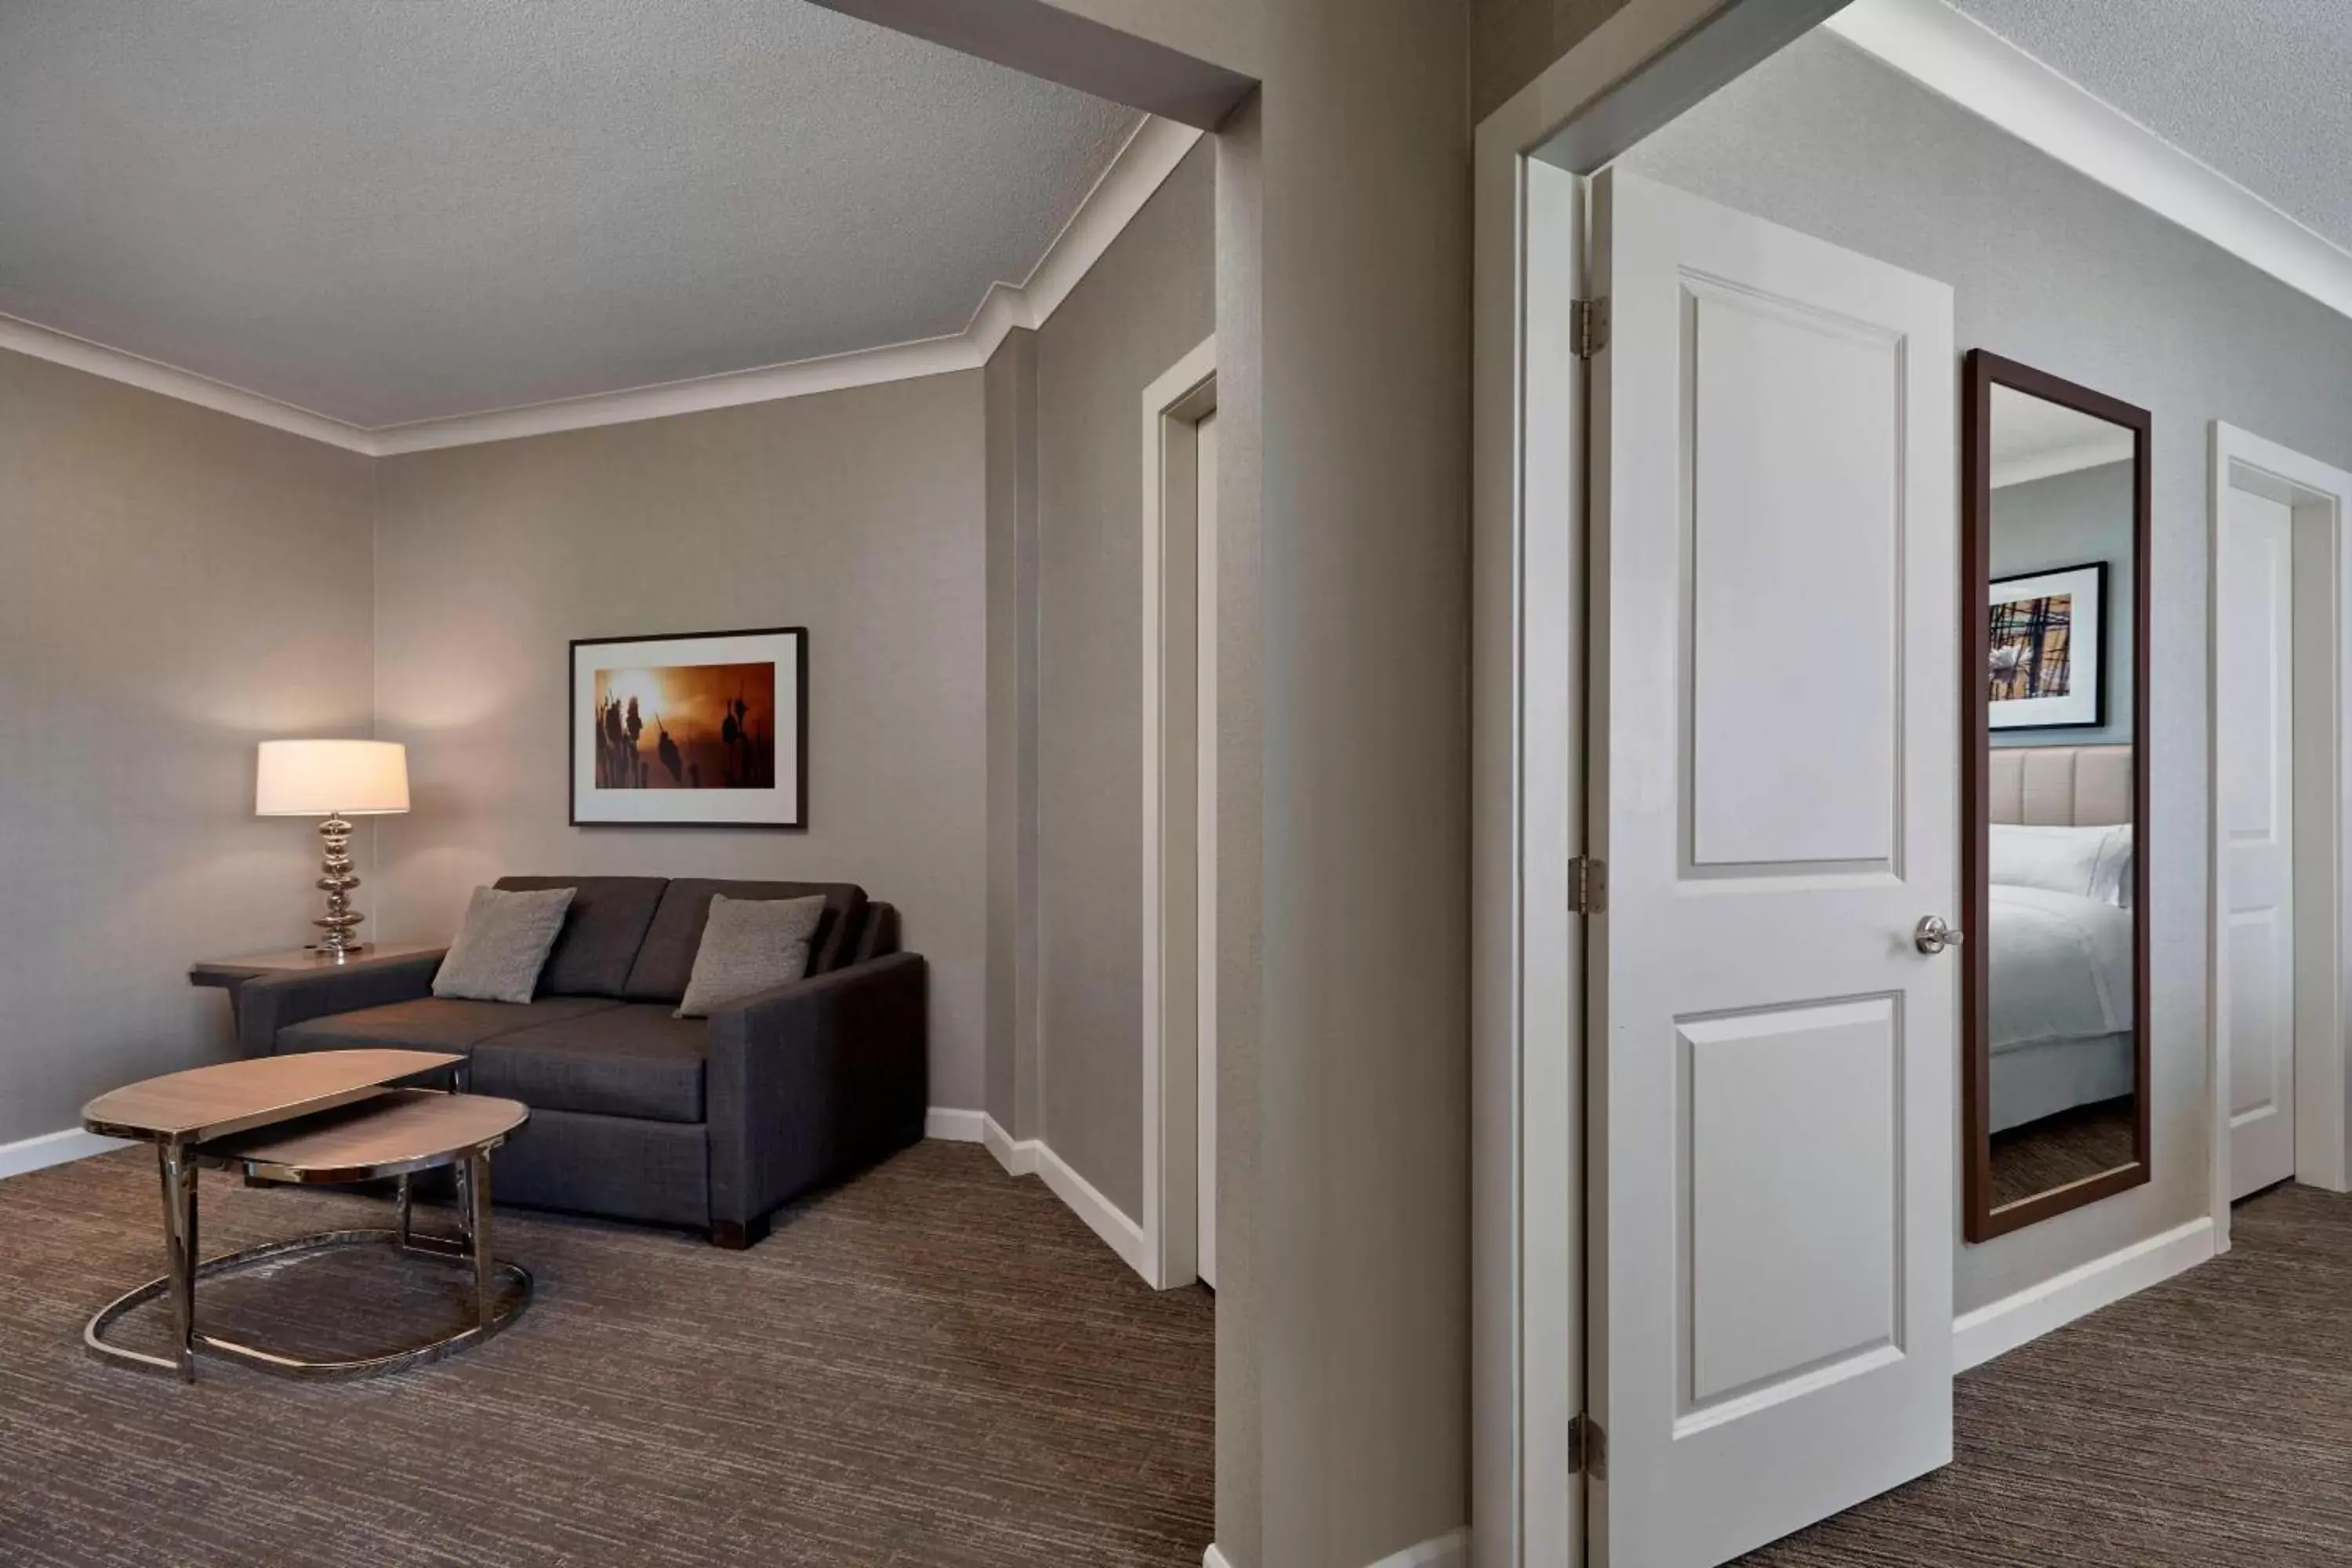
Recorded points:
(2090, 862)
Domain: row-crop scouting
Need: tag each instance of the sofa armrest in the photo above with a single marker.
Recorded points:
(269, 1003)
(811, 1081)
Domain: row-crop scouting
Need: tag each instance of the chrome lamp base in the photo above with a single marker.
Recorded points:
(335, 879)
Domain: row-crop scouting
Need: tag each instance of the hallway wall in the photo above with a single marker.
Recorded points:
(2066, 275)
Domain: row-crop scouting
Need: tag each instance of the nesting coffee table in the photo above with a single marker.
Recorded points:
(327, 1116)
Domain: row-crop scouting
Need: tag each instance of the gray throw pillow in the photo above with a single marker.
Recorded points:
(503, 944)
(749, 945)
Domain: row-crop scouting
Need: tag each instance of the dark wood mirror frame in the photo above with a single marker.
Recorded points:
(1983, 372)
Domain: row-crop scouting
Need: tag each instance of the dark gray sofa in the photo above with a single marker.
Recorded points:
(637, 1115)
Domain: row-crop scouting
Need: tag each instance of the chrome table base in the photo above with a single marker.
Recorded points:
(471, 1251)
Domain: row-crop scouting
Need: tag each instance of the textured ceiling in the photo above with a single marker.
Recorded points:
(392, 210)
(2259, 89)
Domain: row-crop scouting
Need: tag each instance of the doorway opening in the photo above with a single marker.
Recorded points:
(2278, 945)
(1179, 817)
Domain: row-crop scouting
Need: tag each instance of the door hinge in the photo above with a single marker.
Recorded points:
(1588, 886)
(1591, 325)
(1587, 1448)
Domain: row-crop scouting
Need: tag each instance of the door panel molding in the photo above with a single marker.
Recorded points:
(1770, 1088)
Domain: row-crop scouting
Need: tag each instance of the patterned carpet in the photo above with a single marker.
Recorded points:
(2059, 1150)
(2208, 1421)
(936, 1365)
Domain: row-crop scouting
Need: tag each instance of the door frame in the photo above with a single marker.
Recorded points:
(1646, 64)
(1174, 712)
(2321, 497)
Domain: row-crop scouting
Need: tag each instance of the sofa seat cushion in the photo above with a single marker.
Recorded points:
(633, 1060)
(432, 1023)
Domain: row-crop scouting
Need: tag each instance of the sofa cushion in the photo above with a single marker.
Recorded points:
(602, 934)
(749, 945)
(502, 946)
(432, 1023)
(631, 1060)
(666, 960)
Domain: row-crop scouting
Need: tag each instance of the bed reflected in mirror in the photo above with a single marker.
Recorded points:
(2056, 526)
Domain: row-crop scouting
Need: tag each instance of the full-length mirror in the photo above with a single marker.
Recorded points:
(2056, 528)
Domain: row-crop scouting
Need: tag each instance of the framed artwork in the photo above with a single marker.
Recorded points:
(693, 729)
(2049, 639)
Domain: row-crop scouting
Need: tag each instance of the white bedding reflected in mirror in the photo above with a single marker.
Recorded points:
(2059, 949)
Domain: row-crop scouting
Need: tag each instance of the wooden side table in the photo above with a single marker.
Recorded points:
(229, 974)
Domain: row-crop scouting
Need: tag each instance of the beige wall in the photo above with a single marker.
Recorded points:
(1146, 304)
(857, 514)
(175, 585)
(1342, 1324)
(1227, 33)
(1013, 616)
(1362, 1202)
(1241, 774)
(1512, 42)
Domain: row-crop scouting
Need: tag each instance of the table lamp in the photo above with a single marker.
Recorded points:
(333, 779)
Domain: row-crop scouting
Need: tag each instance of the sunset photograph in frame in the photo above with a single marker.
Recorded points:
(700, 729)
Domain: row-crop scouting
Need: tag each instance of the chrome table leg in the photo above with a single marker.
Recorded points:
(486, 1267)
(462, 1172)
(406, 1213)
(178, 1173)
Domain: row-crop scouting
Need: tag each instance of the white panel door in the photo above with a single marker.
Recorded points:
(1204, 969)
(1774, 775)
(2255, 643)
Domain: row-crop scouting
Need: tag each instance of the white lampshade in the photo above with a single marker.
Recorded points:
(324, 778)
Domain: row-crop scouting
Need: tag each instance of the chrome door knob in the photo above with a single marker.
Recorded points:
(1932, 935)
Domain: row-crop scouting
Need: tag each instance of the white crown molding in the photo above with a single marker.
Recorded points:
(2114, 448)
(767, 383)
(80, 353)
(1142, 167)
(1961, 59)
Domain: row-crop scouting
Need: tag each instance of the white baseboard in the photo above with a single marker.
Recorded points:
(1448, 1551)
(953, 1126)
(1019, 1159)
(2013, 1321)
(1121, 1234)
(1030, 1156)
(53, 1148)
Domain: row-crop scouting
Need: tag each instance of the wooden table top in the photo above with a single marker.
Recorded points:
(298, 959)
(396, 1132)
(233, 1097)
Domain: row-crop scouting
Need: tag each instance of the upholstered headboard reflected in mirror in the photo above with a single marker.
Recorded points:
(2061, 786)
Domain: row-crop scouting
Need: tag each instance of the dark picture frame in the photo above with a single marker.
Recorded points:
(737, 759)
(1983, 371)
(2097, 640)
